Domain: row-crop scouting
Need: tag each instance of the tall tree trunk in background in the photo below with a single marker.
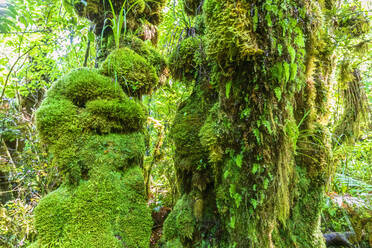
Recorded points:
(252, 144)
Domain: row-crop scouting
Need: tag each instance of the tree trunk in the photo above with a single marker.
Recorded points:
(252, 145)
(93, 123)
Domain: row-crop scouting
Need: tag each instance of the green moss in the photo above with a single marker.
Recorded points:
(92, 214)
(133, 72)
(185, 132)
(146, 50)
(184, 62)
(122, 115)
(82, 85)
(229, 31)
(175, 243)
(180, 223)
(211, 134)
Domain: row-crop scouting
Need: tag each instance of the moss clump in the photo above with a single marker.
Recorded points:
(95, 132)
(80, 104)
(82, 85)
(133, 72)
(229, 33)
(184, 62)
(180, 224)
(106, 116)
(185, 133)
(92, 214)
(146, 51)
(211, 134)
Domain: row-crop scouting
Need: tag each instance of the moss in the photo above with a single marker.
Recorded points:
(135, 75)
(211, 134)
(229, 31)
(92, 214)
(180, 223)
(183, 62)
(122, 115)
(146, 51)
(82, 85)
(71, 111)
(175, 243)
(153, 11)
(185, 133)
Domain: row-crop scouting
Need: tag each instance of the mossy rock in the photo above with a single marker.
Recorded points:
(133, 72)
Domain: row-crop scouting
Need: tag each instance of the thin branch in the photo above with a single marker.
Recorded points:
(9, 155)
(11, 69)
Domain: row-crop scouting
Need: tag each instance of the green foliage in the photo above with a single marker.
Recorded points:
(17, 221)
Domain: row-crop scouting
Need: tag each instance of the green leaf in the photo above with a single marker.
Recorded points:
(278, 93)
(280, 49)
(254, 203)
(292, 53)
(232, 222)
(266, 183)
(228, 88)
(238, 199)
(256, 133)
(286, 71)
(255, 168)
(232, 189)
(268, 19)
(255, 18)
(293, 71)
(91, 36)
(226, 174)
(239, 160)
(268, 126)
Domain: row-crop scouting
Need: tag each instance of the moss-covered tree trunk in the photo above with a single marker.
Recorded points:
(252, 145)
(92, 121)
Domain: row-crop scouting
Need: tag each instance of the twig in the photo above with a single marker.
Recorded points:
(11, 69)
(9, 155)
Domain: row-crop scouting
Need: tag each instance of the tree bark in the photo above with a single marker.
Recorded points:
(253, 167)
